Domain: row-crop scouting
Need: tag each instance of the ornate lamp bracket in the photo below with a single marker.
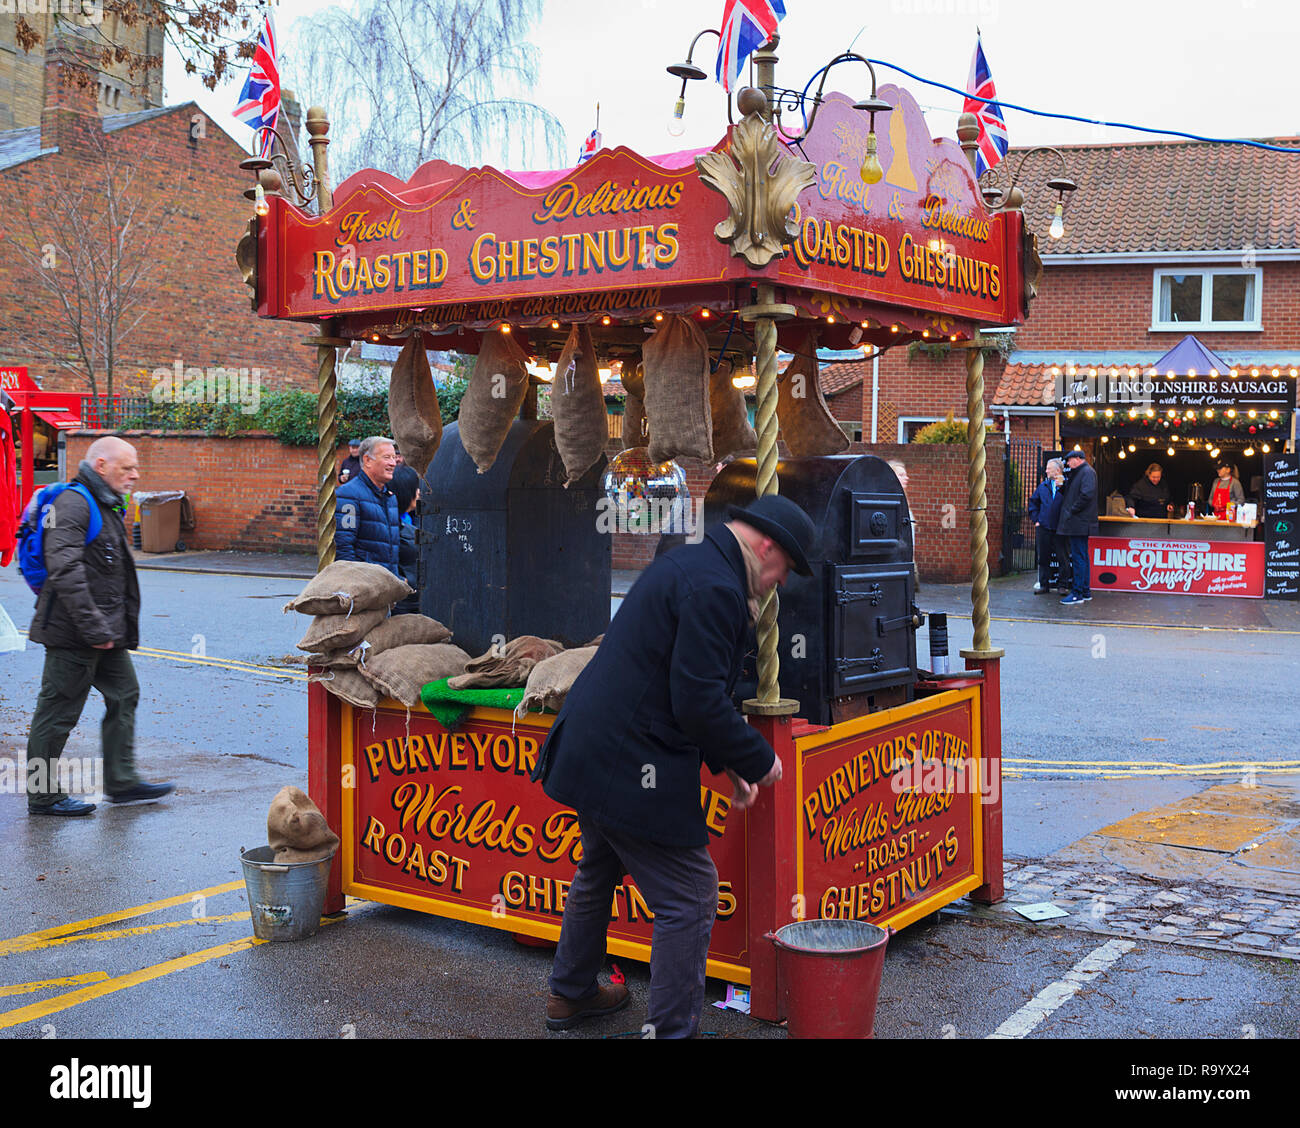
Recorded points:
(761, 184)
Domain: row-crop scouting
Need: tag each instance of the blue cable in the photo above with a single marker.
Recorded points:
(1044, 113)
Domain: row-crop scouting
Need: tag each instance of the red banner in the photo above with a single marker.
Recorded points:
(889, 825)
(1229, 568)
(451, 820)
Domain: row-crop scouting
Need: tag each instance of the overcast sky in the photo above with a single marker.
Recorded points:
(1221, 69)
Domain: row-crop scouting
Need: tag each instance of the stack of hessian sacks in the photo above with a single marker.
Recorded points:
(367, 655)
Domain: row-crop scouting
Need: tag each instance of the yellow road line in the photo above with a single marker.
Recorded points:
(18, 943)
(45, 984)
(121, 982)
(120, 933)
(1118, 773)
(1158, 763)
(1130, 626)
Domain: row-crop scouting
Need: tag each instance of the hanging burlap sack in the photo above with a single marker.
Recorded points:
(402, 672)
(349, 686)
(551, 679)
(509, 666)
(807, 425)
(347, 586)
(340, 632)
(677, 392)
(635, 431)
(492, 400)
(296, 830)
(413, 411)
(732, 432)
(578, 406)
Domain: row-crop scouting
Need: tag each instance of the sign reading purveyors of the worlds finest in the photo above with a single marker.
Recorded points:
(450, 822)
(456, 246)
(889, 811)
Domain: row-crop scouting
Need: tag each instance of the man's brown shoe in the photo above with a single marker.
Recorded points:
(561, 1013)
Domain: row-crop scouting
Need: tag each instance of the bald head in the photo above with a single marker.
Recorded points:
(115, 461)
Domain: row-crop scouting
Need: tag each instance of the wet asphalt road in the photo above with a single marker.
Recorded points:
(227, 722)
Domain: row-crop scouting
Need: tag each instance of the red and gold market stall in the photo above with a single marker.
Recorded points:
(882, 816)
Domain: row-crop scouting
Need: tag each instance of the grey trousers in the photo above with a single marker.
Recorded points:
(680, 884)
(65, 684)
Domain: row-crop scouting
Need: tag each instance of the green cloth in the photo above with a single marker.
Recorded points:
(451, 705)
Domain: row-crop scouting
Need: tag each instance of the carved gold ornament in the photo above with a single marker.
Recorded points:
(761, 184)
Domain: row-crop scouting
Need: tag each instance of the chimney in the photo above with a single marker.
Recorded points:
(70, 114)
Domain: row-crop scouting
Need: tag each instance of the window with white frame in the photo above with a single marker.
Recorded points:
(1206, 299)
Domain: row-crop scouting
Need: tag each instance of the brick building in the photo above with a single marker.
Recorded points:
(177, 171)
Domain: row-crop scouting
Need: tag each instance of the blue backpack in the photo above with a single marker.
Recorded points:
(31, 533)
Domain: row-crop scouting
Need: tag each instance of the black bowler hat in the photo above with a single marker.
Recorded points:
(779, 518)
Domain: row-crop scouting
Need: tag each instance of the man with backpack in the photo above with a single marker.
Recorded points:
(75, 553)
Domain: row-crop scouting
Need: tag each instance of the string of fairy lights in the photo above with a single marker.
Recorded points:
(1142, 425)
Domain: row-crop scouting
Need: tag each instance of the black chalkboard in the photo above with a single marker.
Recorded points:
(1282, 527)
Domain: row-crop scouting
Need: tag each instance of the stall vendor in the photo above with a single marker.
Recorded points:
(1148, 497)
(1226, 489)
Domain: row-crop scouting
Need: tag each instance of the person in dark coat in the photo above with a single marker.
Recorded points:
(1078, 522)
(352, 464)
(1148, 496)
(366, 519)
(88, 619)
(406, 487)
(1045, 512)
(625, 753)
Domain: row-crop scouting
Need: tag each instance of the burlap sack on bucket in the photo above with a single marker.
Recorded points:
(402, 672)
(551, 679)
(578, 406)
(413, 411)
(676, 362)
(807, 425)
(732, 432)
(347, 586)
(296, 830)
(510, 666)
(397, 630)
(492, 400)
(349, 686)
(340, 632)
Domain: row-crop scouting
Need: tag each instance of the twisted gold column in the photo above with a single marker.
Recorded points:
(764, 316)
(977, 478)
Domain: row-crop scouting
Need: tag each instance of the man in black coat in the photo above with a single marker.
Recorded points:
(1079, 522)
(87, 618)
(626, 750)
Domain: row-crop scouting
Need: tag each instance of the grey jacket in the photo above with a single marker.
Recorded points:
(91, 595)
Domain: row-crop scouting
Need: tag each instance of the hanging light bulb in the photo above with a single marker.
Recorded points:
(1170, 452)
(1057, 230)
(676, 127)
(259, 200)
(1105, 438)
(1248, 451)
(1122, 454)
(1132, 447)
(871, 171)
(1266, 448)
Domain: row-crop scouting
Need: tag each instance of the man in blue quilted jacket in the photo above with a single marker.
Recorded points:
(366, 523)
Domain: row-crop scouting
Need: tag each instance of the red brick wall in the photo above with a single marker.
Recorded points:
(195, 304)
(250, 493)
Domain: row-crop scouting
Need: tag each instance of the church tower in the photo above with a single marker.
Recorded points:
(23, 74)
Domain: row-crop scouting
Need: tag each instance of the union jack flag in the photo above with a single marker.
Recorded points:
(590, 147)
(993, 129)
(259, 101)
(746, 26)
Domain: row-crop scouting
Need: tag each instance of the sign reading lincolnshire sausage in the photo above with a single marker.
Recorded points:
(889, 825)
(451, 820)
(1178, 567)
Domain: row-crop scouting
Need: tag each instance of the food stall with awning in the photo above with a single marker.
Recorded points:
(42, 416)
(1207, 429)
(882, 816)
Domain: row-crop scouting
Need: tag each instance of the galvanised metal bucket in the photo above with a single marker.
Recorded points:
(285, 899)
(829, 974)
